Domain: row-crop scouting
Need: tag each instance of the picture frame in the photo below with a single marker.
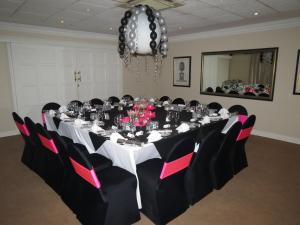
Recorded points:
(296, 90)
(182, 71)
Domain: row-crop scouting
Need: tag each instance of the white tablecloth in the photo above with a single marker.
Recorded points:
(124, 156)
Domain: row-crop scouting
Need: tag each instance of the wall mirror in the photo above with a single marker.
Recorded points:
(239, 73)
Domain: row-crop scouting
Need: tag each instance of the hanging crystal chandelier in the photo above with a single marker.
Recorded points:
(142, 32)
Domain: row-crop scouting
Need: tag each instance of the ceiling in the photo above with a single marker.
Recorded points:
(103, 16)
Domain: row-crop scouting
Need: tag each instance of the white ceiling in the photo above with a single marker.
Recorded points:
(101, 16)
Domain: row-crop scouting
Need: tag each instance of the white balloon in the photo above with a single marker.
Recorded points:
(133, 17)
(142, 40)
(143, 8)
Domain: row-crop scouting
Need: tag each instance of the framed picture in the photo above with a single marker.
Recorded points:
(297, 76)
(182, 71)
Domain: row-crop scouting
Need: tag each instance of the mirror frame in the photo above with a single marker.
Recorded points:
(275, 49)
(297, 74)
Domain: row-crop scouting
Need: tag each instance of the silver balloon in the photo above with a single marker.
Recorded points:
(143, 8)
(131, 45)
(137, 12)
(133, 26)
(132, 34)
(133, 10)
(157, 13)
(164, 37)
(163, 29)
(132, 51)
(164, 52)
(161, 21)
(164, 45)
(133, 17)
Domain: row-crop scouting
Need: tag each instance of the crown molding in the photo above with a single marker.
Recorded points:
(258, 27)
(15, 27)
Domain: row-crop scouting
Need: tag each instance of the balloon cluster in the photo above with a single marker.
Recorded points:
(143, 31)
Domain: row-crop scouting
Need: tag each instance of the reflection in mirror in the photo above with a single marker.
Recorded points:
(242, 73)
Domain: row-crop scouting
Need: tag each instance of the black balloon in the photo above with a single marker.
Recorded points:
(152, 26)
(124, 21)
(122, 46)
(121, 29)
(153, 35)
(152, 44)
(121, 52)
(154, 51)
(149, 12)
(151, 18)
(121, 37)
(128, 14)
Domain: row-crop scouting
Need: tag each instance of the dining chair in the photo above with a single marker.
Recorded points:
(194, 103)
(79, 103)
(49, 106)
(232, 92)
(205, 129)
(108, 196)
(219, 90)
(127, 97)
(38, 154)
(239, 157)
(239, 109)
(178, 101)
(220, 164)
(96, 101)
(164, 98)
(28, 151)
(214, 105)
(53, 165)
(209, 89)
(162, 183)
(113, 100)
(198, 182)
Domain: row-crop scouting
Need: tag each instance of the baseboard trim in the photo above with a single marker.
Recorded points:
(280, 137)
(9, 133)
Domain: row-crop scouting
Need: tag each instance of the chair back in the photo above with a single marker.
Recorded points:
(194, 102)
(178, 101)
(230, 138)
(113, 100)
(96, 101)
(241, 110)
(207, 128)
(164, 98)
(82, 166)
(209, 89)
(247, 128)
(79, 103)
(46, 139)
(49, 106)
(20, 125)
(179, 158)
(31, 126)
(214, 105)
(127, 97)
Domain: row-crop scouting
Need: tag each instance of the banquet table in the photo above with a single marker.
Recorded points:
(124, 156)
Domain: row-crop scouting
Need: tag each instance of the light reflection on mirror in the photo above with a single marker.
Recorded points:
(241, 73)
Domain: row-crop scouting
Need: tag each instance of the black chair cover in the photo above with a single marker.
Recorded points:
(220, 166)
(164, 98)
(163, 194)
(28, 151)
(51, 105)
(178, 101)
(96, 101)
(113, 100)
(207, 128)
(127, 97)
(249, 94)
(214, 105)
(79, 103)
(239, 154)
(198, 181)
(108, 197)
(194, 102)
(233, 92)
(241, 110)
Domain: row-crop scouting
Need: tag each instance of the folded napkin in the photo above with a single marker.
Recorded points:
(181, 105)
(115, 136)
(52, 112)
(95, 128)
(136, 99)
(165, 103)
(151, 100)
(63, 116)
(63, 109)
(197, 145)
(224, 113)
(183, 128)
(154, 136)
(205, 120)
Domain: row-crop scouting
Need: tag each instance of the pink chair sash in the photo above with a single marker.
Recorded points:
(88, 175)
(242, 118)
(244, 133)
(48, 143)
(22, 128)
(44, 118)
(169, 168)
